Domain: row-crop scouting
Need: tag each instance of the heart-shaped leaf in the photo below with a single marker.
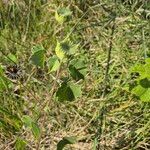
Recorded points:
(68, 92)
(66, 140)
(53, 64)
(76, 89)
(64, 93)
(38, 56)
(77, 69)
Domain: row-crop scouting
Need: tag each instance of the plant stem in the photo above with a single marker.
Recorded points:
(102, 113)
(46, 105)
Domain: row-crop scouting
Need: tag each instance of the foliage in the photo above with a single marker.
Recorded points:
(53, 64)
(62, 14)
(20, 144)
(61, 48)
(68, 92)
(142, 87)
(29, 123)
(65, 141)
(38, 57)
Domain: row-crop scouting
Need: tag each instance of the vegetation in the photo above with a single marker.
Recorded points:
(75, 74)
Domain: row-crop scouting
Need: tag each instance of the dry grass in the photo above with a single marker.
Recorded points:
(125, 125)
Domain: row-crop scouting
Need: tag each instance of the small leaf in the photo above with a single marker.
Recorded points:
(60, 52)
(145, 97)
(68, 92)
(75, 73)
(142, 90)
(20, 144)
(142, 69)
(27, 120)
(59, 18)
(29, 123)
(38, 56)
(147, 70)
(142, 86)
(77, 69)
(35, 130)
(53, 64)
(66, 140)
(64, 93)
(138, 68)
(37, 48)
(73, 48)
(138, 90)
(76, 89)
(62, 14)
(64, 48)
(145, 83)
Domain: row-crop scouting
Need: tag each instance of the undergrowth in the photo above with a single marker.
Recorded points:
(74, 74)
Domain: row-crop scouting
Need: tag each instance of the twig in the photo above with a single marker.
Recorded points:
(106, 78)
(47, 104)
(102, 112)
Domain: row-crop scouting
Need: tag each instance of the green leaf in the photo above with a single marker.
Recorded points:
(77, 69)
(76, 89)
(20, 144)
(142, 86)
(60, 51)
(35, 130)
(75, 73)
(53, 64)
(38, 56)
(138, 90)
(68, 92)
(145, 83)
(147, 70)
(142, 90)
(73, 48)
(139, 69)
(62, 14)
(142, 93)
(145, 97)
(27, 120)
(64, 11)
(66, 140)
(64, 93)
(37, 48)
(142, 69)
(64, 48)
